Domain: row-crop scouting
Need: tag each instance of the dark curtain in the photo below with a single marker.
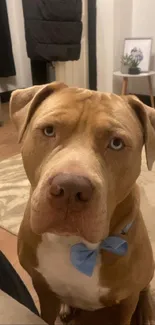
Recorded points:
(7, 66)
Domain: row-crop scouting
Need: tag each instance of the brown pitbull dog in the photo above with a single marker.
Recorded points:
(81, 151)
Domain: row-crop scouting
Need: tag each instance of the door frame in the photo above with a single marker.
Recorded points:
(92, 59)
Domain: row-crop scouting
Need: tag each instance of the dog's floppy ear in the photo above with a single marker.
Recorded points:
(146, 116)
(24, 102)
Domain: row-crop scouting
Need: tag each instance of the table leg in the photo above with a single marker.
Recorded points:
(151, 91)
(124, 85)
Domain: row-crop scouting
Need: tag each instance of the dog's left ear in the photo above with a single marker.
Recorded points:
(24, 103)
(146, 115)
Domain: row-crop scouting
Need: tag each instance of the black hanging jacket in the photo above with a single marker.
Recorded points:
(7, 66)
(53, 29)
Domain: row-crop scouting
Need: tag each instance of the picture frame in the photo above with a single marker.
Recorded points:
(142, 47)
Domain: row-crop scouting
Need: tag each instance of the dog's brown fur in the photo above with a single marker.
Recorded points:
(88, 120)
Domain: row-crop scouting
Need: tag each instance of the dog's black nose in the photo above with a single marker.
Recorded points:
(69, 187)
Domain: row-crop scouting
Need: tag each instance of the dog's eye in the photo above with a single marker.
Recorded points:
(49, 131)
(116, 144)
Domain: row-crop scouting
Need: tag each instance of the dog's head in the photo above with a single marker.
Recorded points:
(82, 154)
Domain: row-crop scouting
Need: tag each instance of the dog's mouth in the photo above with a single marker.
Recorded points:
(89, 223)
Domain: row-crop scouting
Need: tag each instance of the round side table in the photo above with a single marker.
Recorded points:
(125, 77)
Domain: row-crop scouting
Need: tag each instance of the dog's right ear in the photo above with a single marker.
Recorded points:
(24, 102)
(146, 116)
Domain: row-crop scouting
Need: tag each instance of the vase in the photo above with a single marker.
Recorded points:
(124, 69)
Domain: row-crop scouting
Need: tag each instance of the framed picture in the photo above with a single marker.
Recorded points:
(139, 48)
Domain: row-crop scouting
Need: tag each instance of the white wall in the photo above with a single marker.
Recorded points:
(105, 44)
(122, 29)
(114, 19)
(22, 63)
(143, 25)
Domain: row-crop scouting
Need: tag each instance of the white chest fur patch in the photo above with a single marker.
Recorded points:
(74, 288)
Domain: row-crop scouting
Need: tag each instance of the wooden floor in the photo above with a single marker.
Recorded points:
(8, 242)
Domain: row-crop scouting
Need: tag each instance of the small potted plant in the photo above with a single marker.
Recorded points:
(134, 69)
(135, 58)
(126, 61)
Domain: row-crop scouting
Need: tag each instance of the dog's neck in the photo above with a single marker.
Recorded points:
(126, 211)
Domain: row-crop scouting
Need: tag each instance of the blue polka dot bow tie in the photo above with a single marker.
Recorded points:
(84, 259)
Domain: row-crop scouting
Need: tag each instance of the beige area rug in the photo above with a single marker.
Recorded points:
(14, 192)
